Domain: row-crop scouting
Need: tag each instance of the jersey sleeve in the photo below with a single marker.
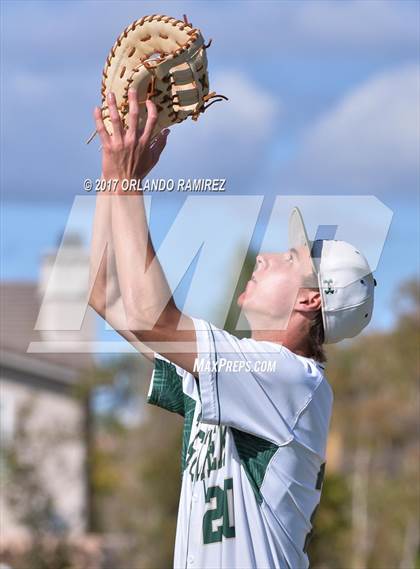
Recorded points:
(166, 386)
(257, 387)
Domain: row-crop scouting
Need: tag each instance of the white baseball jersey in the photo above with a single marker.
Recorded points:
(253, 456)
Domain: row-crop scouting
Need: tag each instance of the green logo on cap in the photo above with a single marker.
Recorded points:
(329, 289)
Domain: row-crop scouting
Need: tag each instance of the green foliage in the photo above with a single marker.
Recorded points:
(41, 556)
(142, 502)
(332, 524)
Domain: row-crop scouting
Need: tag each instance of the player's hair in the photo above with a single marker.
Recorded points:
(316, 339)
(316, 332)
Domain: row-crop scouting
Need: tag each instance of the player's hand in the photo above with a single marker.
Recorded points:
(127, 153)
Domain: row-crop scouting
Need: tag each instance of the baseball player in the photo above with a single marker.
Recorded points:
(256, 410)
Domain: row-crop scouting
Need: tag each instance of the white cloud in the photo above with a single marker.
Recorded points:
(357, 25)
(370, 141)
(81, 33)
(250, 111)
(266, 29)
(228, 141)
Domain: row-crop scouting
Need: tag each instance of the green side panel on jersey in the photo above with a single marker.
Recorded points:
(255, 455)
(167, 388)
(167, 393)
(189, 406)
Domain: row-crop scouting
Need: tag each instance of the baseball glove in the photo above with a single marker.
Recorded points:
(165, 60)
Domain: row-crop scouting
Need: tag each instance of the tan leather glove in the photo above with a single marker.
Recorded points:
(165, 60)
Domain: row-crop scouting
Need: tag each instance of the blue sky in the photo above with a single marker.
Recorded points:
(323, 100)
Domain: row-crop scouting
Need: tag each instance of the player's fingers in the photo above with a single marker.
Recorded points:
(133, 113)
(152, 116)
(117, 129)
(100, 127)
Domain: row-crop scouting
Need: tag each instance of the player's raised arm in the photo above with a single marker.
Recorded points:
(150, 311)
(105, 295)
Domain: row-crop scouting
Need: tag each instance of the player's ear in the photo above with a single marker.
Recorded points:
(309, 300)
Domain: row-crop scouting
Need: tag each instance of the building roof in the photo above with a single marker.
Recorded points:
(19, 307)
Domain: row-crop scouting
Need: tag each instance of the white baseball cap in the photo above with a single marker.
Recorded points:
(344, 279)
